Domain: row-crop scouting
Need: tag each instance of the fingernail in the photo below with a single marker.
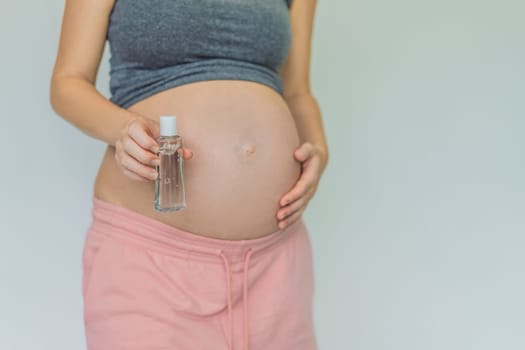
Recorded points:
(155, 162)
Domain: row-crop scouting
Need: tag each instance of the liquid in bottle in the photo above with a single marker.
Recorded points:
(170, 194)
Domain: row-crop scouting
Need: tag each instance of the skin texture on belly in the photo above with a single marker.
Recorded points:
(242, 135)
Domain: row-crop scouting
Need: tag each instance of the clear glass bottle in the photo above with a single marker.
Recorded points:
(170, 194)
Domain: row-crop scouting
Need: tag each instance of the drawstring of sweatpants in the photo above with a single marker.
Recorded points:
(244, 297)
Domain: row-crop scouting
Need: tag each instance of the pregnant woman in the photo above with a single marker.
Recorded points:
(234, 269)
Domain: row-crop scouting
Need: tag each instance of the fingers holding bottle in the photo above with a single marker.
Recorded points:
(186, 152)
(137, 148)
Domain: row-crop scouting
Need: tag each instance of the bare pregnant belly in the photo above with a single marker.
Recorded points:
(242, 135)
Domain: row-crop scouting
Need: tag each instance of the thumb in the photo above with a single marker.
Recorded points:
(153, 128)
(303, 152)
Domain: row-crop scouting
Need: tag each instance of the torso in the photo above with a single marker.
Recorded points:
(242, 135)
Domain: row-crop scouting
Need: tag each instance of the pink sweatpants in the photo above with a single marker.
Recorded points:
(149, 286)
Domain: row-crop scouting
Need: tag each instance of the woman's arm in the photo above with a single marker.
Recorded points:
(295, 73)
(73, 95)
(313, 151)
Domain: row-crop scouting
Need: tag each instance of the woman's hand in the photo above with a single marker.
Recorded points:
(137, 147)
(294, 202)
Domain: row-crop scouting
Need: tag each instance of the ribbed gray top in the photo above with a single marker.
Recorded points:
(159, 44)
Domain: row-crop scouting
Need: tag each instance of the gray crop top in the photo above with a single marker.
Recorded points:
(159, 44)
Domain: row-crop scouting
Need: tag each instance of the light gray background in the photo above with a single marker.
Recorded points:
(418, 224)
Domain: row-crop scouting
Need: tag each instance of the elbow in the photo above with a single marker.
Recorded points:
(54, 95)
(61, 89)
(325, 156)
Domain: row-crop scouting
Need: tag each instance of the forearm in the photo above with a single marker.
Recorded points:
(307, 116)
(78, 102)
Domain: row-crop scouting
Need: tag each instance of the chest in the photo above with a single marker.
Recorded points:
(158, 33)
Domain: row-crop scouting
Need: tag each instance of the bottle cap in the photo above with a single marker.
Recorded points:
(168, 125)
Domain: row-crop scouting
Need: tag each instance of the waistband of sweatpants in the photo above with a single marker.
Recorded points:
(152, 234)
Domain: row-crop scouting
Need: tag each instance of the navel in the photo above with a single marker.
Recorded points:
(247, 149)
